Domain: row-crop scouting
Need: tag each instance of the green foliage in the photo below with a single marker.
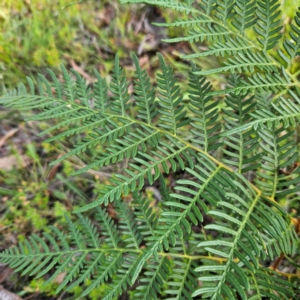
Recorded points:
(233, 152)
(28, 39)
(35, 35)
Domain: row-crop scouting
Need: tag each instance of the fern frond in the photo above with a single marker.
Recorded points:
(128, 225)
(111, 131)
(172, 110)
(214, 33)
(81, 256)
(207, 6)
(193, 21)
(183, 205)
(155, 278)
(244, 62)
(292, 46)
(110, 229)
(245, 15)
(145, 94)
(77, 256)
(100, 93)
(240, 244)
(229, 47)
(223, 9)
(286, 113)
(267, 283)
(123, 277)
(83, 92)
(69, 86)
(280, 152)
(145, 166)
(289, 242)
(205, 124)
(271, 81)
(241, 148)
(145, 215)
(183, 281)
(119, 88)
(211, 25)
(127, 147)
(78, 117)
(267, 25)
(206, 145)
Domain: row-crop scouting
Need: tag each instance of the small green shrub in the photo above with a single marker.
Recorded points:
(233, 151)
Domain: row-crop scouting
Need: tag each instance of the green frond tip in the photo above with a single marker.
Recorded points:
(144, 94)
(171, 107)
(292, 44)
(119, 88)
(245, 15)
(267, 26)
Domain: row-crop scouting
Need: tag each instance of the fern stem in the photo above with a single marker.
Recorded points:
(288, 275)
(275, 181)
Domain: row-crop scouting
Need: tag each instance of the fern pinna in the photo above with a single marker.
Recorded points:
(234, 148)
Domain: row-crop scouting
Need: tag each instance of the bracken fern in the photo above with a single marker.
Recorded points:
(234, 151)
